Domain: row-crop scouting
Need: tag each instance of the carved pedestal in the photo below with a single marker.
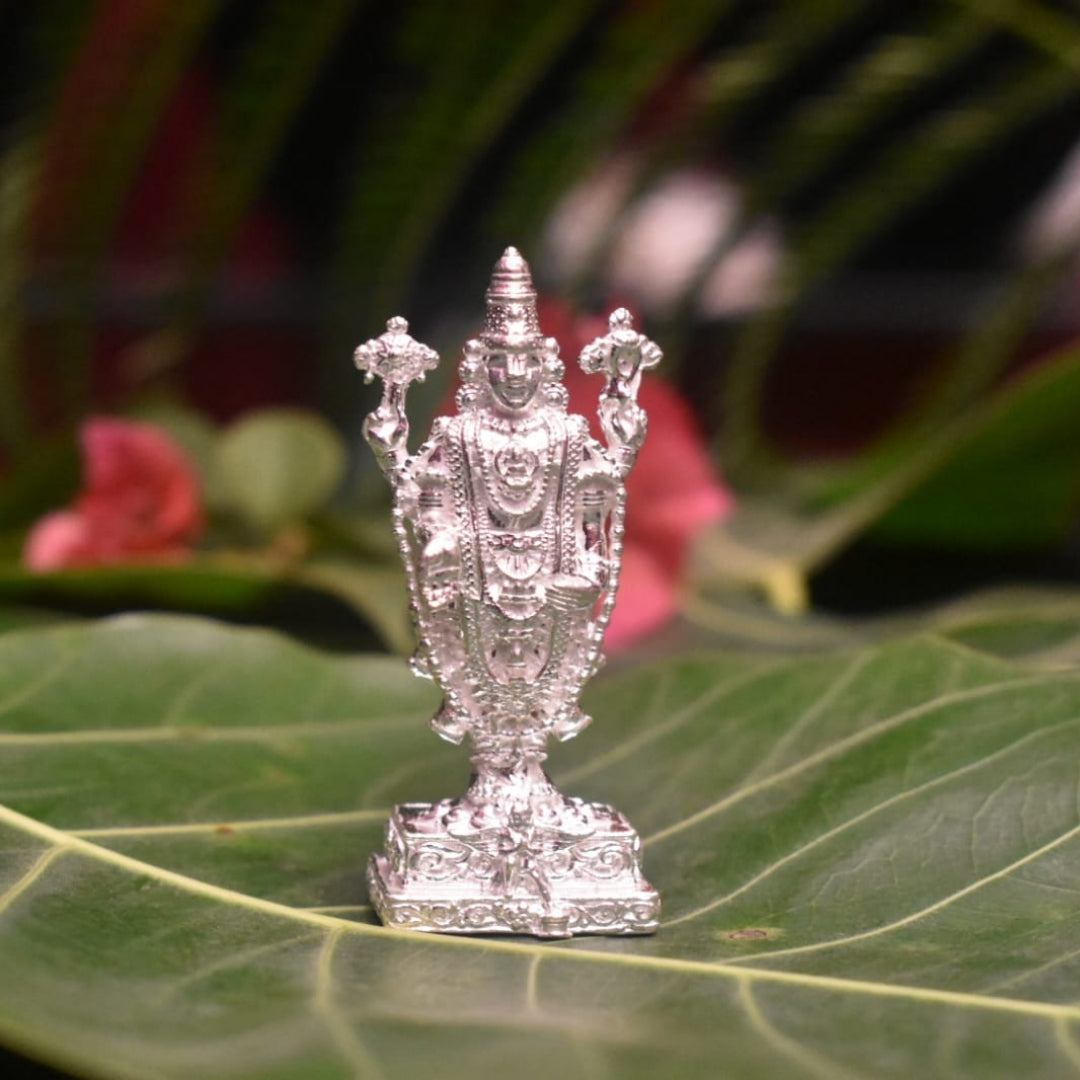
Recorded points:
(580, 874)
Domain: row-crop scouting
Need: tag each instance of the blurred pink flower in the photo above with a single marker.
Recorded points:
(673, 492)
(140, 502)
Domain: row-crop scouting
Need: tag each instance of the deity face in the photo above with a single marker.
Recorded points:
(514, 377)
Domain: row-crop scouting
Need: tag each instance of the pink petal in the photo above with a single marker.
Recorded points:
(645, 601)
(58, 540)
(140, 502)
(140, 483)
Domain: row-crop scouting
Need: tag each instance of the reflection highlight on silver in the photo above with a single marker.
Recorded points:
(510, 520)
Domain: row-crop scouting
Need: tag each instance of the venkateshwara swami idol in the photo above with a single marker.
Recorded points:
(510, 521)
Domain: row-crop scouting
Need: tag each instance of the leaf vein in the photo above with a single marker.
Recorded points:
(344, 1035)
(838, 748)
(812, 1062)
(877, 808)
(1026, 976)
(922, 913)
(36, 685)
(657, 731)
(230, 960)
(532, 999)
(9, 898)
(206, 676)
(845, 678)
(1064, 1037)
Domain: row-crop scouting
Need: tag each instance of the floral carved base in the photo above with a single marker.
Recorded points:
(577, 873)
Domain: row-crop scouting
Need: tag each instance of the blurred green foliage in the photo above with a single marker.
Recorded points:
(462, 127)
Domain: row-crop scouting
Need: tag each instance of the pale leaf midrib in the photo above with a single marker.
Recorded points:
(196, 733)
(240, 825)
(552, 953)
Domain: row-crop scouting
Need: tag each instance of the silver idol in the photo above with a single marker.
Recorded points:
(510, 521)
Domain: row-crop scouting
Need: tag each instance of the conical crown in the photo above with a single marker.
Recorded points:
(511, 321)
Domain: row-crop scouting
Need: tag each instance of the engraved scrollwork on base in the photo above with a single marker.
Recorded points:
(439, 861)
(510, 521)
(603, 860)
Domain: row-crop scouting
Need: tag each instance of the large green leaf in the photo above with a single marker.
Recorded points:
(868, 861)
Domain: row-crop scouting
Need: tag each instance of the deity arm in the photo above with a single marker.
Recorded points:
(426, 501)
(387, 432)
(398, 360)
(625, 425)
(597, 488)
(594, 493)
(621, 355)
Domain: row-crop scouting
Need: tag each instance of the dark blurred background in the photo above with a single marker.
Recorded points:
(853, 226)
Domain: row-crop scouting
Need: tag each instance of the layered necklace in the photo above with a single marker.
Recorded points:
(516, 462)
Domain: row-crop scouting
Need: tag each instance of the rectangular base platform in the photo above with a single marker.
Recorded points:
(435, 877)
(488, 914)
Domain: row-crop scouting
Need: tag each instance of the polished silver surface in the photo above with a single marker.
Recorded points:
(510, 522)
